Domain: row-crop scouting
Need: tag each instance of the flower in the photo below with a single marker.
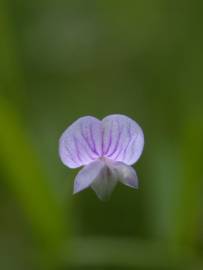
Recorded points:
(106, 149)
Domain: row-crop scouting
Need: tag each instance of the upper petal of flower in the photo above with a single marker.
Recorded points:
(122, 139)
(80, 144)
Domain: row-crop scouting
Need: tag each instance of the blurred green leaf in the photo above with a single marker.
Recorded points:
(187, 219)
(28, 181)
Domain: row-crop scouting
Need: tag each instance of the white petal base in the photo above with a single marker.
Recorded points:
(104, 184)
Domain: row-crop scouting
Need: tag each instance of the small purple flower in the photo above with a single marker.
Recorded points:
(106, 149)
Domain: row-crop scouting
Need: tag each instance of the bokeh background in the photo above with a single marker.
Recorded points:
(60, 60)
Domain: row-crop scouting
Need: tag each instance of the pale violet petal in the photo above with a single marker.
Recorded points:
(125, 174)
(87, 175)
(104, 184)
(122, 139)
(80, 144)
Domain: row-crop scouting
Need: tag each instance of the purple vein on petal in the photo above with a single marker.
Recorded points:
(70, 154)
(132, 149)
(102, 141)
(92, 138)
(119, 152)
(130, 138)
(134, 140)
(88, 154)
(76, 148)
(110, 139)
(86, 140)
(117, 142)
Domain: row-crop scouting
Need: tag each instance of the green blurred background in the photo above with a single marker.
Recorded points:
(60, 60)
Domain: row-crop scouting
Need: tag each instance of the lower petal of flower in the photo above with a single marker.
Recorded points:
(125, 174)
(87, 175)
(102, 175)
